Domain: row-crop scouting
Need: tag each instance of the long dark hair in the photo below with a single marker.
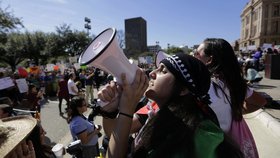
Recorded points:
(225, 65)
(74, 104)
(157, 132)
(172, 130)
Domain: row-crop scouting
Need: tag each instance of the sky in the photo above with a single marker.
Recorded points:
(177, 22)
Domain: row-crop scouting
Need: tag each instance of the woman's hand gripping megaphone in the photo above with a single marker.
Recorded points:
(109, 96)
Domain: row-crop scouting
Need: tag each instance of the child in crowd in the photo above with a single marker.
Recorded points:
(34, 97)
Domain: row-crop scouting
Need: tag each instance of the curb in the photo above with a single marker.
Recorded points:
(271, 123)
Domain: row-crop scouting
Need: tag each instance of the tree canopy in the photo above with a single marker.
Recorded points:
(8, 22)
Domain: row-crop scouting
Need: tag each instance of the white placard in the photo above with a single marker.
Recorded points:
(49, 67)
(22, 85)
(6, 82)
(142, 60)
(77, 66)
(267, 45)
(252, 47)
(72, 60)
(149, 59)
(62, 67)
(276, 46)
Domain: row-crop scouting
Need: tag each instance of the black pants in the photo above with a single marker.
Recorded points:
(60, 102)
(90, 151)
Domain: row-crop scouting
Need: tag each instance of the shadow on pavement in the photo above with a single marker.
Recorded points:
(271, 103)
(45, 101)
(264, 87)
(274, 104)
(52, 98)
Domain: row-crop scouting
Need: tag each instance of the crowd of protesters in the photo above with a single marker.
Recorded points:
(256, 57)
(47, 82)
(41, 87)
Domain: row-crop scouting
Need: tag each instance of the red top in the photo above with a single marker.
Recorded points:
(145, 109)
(63, 89)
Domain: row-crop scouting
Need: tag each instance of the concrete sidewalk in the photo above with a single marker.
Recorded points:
(264, 123)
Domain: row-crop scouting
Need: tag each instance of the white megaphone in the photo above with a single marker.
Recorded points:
(104, 53)
(160, 56)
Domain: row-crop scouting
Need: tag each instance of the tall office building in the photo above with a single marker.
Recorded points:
(260, 23)
(135, 36)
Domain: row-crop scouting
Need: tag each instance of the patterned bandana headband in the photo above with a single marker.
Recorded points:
(177, 67)
(188, 69)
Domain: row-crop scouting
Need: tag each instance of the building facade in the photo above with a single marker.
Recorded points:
(154, 48)
(135, 36)
(260, 23)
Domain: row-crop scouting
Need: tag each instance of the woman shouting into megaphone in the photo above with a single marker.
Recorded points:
(185, 123)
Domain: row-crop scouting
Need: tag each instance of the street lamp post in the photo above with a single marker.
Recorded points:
(87, 25)
(157, 46)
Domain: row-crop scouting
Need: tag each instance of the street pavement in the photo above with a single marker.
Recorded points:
(264, 123)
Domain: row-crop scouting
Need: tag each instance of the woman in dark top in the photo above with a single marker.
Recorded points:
(62, 92)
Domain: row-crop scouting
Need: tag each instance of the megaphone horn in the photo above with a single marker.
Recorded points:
(160, 56)
(104, 53)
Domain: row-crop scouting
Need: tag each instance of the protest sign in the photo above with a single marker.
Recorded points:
(22, 85)
(6, 82)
